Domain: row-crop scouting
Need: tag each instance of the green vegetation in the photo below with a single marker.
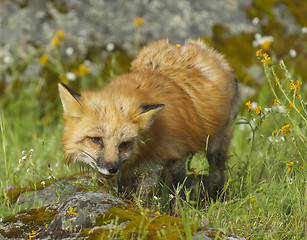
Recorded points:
(267, 171)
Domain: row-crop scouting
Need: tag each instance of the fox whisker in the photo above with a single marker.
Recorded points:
(89, 160)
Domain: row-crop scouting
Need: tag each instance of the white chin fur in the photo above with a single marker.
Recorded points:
(104, 172)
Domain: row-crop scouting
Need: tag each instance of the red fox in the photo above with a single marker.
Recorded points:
(173, 100)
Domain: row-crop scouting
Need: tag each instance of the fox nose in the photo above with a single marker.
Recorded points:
(112, 169)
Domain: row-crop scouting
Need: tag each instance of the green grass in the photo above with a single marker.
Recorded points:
(267, 172)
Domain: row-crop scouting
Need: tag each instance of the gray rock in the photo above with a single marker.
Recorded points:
(30, 24)
(57, 191)
(80, 211)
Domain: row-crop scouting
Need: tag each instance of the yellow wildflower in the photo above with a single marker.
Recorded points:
(60, 33)
(301, 166)
(292, 86)
(44, 59)
(263, 57)
(285, 129)
(178, 46)
(259, 53)
(267, 61)
(266, 45)
(298, 83)
(63, 79)
(276, 102)
(289, 169)
(275, 132)
(55, 41)
(71, 212)
(32, 235)
(258, 110)
(138, 22)
(83, 70)
(291, 106)
(157, 213)
(295, 87)
(249, 105)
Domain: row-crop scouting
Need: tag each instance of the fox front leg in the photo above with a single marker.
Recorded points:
(172, 177)
(217, 157)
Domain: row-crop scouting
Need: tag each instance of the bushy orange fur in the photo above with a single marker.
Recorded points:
(165, 109)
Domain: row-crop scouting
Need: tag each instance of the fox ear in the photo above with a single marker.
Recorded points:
(148, 115)
(70, 100)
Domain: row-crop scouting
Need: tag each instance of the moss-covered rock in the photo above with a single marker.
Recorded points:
(27, 222)
(92, 215)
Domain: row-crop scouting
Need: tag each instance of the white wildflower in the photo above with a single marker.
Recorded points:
(7, 60)
(70, 76)
(260, 40)
(110, 47)
(255, 20)
(69, 51)
(254, 104)
(304, 30)
(292, 53)
(290, 180)
(267, 110)
(87, 63)
(278, 108)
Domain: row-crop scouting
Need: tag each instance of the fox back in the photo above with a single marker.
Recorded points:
(172, 101)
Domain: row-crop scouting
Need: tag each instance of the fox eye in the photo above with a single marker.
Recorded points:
(124, 145)
(97, 140)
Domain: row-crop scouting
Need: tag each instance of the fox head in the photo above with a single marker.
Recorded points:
(103, 130)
